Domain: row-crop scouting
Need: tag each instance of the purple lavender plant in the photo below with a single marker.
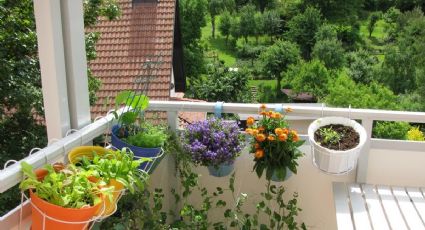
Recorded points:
(213, 142)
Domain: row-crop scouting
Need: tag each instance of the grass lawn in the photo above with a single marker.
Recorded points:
(376, 41)
(271, 83)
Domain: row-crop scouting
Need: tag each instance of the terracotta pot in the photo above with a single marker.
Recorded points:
(59, 213)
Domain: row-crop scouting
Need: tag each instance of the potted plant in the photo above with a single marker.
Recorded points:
(336, 143)
(132, 131)
(213, 143)
(62, 197)
(116, 168)
(275, 145)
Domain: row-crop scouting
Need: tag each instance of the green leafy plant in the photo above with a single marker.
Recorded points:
(136, 104)
(118, 165)
(150, 136)
(414, 134)
(68, 187)
(330, 136)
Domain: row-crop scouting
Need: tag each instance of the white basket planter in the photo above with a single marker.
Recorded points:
(334, 161)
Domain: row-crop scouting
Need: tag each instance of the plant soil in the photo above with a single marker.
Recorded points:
(349, 137)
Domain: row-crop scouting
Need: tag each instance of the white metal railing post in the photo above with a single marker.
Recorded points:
(52, 65)
(362, 165)
(76, 62)
(172, 117)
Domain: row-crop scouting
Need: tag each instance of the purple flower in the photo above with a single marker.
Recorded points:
(212, 142)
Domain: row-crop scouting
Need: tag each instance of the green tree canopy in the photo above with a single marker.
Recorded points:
(271, 23)
(225, 24)
(326, 32)
(311, 77)
(278, 57)
(330, 52)
(361, 66)
(302, 29)
(247, 24)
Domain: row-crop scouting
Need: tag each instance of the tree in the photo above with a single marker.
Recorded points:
(192, 15)
(344, 92)
(330, 52)
(259, 26)
(373, 19)
(309, 77)
(326, 32)
(247, 25)
(225, 24)
(302, 29)
(215, 7)
(361, 66)
(341, 10)
(271, 23)
(277, 58)
(221, 84)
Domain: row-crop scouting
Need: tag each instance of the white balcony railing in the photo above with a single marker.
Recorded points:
(12, 175)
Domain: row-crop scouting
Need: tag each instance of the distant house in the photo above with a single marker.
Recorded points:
(146, 34)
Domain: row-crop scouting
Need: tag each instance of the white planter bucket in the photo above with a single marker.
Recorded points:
(334, 161)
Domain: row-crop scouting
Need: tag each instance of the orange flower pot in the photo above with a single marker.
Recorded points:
(59, 213)
(110, 206)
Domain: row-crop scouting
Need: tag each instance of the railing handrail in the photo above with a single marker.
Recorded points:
(305, 111)
(13, 175)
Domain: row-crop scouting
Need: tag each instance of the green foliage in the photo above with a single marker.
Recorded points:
(149, 136)
(330, 52)
(94, 9)
(225, 24)
(343, 92)
(373, 18)
(391, 130)
(247, 23)
(361, 66)
(277, 58)
(311, 77)
(221, 84)
(414, 134)
(326, 32)
(349, 36)
(303, 27)
(118, 165)
(342, 10)
(192, 16)
(272, 23)
(69, 187)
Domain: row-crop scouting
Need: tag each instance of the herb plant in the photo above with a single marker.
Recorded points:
(275, 145)
(68, 187)
(149, 136)
(330, 136)
(118, 165)
(212, 142)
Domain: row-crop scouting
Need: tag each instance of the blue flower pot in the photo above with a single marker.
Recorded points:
(276, 179)
(222, 170)
(138, 151)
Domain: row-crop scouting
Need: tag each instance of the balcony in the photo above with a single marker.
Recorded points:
(382, 162)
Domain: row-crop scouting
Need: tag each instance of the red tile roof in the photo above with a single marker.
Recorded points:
(143, 32)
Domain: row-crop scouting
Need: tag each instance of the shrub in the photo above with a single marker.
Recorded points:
(391, 130)
(414, 134)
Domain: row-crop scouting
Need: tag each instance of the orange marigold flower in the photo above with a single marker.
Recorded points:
(289, 109)
(270, 113)
(260, 137)
(249, 131)
(283, 137)
(255, 132)
(263, 107)
(256, 145)
(278, 115)
(259, 153)
(271, 138)
(261, 129)
(295, 138)
(278, 131)
(250, 121)
(294, 132)
(285, 131)
(264, 113)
